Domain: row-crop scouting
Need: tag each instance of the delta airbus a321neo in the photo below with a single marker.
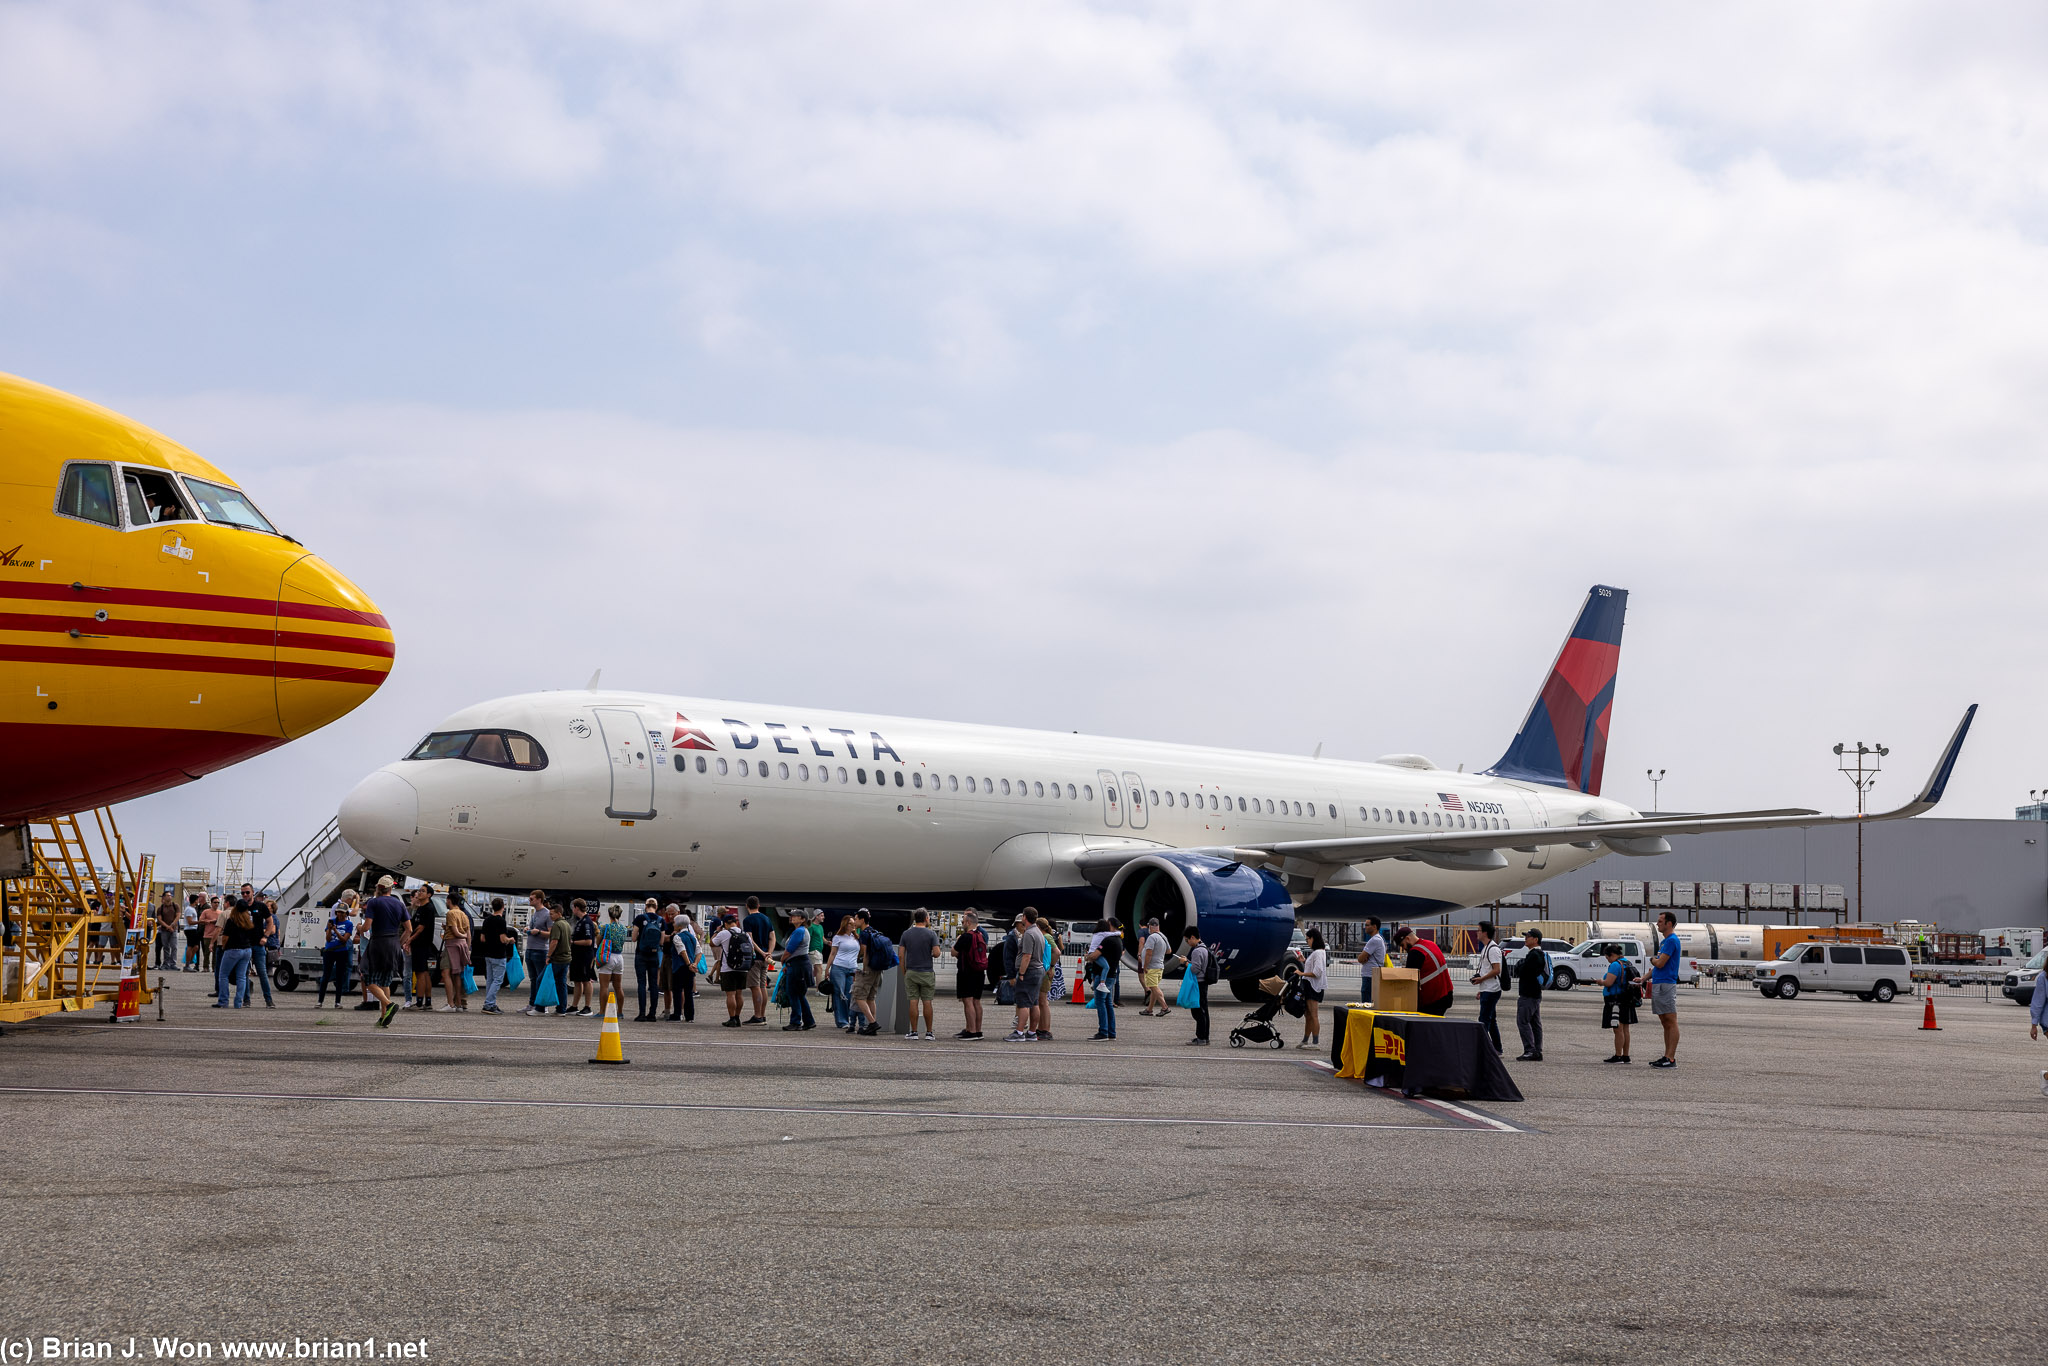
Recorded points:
(638, 794)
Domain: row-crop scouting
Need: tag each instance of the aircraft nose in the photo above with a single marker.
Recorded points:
(380, 817)
(333, 647)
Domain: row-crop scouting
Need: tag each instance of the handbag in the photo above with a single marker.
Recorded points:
(468, 979)
(1006, 995)
(1190, 997)
(544, 991)
(515, 968)
(704, 965)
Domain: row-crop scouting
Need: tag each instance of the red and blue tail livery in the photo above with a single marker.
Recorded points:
(1563, 741)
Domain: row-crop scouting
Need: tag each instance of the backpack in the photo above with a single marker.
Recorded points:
(977, 951)
(881, 953)
(1543, 979)
(739, 951)
(1212, 968)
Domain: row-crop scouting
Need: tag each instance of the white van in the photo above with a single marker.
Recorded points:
(1588, 963)
(1871, 972)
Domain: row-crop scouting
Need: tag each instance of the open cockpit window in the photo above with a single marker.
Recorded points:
(228, 506)
(499, 748)
(152, 497)
(88, 494)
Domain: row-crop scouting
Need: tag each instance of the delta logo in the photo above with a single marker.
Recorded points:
(688, 736)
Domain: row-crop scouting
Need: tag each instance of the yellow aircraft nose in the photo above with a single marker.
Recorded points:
(333, 647)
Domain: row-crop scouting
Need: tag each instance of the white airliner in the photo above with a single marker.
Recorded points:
(691, 799)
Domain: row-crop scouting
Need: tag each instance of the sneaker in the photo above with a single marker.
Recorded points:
(1535, 1057)
(1163, 1011)
(527, 1011)
(757, 1019)
(1525, 1057)
(913, 1033)
(1307, 1043)
(871, 1032)
(733, 1023)
(1045, 1033)
(1098, 1034)
(384, 1016)
(791, 1028)
(492, 1010)
(1198, 1043)
(977, 1034)
(2044, 1086)
(586, 1011)
(963, 1034)
(927, 1033)
(450, 1010)
(1016, 1036)
(1616, 1058)
(1665, 1062)
(1626, 1058)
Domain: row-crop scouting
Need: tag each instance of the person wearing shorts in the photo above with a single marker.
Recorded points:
(920, 951)
(1664, 986)
(387, 926)
(1617, 1001)
(582, 954)
(970, 950)
(731, 981)
(1029, 977)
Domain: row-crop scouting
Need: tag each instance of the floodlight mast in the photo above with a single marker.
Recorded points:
(1656, 777)
(1860, 766)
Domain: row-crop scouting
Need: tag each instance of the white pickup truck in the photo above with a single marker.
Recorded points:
(1588, 963)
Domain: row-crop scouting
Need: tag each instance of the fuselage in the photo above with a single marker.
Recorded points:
(685, 798)
(153, 625)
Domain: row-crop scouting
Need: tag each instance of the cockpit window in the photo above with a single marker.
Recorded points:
(152, 498)
(88, 494)
(227, 505)
(499, 748)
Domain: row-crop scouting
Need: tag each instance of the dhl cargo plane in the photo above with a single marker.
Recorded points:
(641, 794)
(154, 625)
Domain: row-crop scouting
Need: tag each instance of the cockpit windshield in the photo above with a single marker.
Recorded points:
(228, 506)
(498, 748)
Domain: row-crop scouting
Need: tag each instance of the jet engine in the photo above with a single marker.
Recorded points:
(1243, 914)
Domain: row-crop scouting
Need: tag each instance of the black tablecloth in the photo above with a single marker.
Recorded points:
(1417, 1053)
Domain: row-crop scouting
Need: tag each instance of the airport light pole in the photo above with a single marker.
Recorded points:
(1656, 777)
(1860, 766)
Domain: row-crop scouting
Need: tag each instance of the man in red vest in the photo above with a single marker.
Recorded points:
(1433, 987)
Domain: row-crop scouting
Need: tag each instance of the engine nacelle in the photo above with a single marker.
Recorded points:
(1244, 914)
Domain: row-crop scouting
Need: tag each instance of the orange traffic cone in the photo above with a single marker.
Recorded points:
(1080, 991)
(1927, 1022)
(610, 1047)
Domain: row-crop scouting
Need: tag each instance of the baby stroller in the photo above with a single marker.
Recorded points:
(1258, 1026)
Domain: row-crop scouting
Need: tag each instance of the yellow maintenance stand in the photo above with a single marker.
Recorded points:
(67, 921)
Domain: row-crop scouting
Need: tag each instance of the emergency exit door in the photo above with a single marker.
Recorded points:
(625, 742)
(1134, 810)
(1112, 802)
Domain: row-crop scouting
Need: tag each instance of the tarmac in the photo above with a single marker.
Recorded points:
(1818, 1180)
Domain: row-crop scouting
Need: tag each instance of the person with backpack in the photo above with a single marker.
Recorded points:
(795, 981)
(1488, 977)
(1618, 1001)
(680, 961)
(970, 951)
(877, 956)
(1027, 975)
(650, 929)
(732, 951)
(1203, 967)
(1104, 957)
(1532, 975)
(339, 950)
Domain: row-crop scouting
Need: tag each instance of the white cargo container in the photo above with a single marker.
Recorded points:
(1759, 896)
(1682, 894)
(1832, 897)
(1659, 894)
(1609, 892)
(1734, 896)
(1710, 896)
(1809, 896)
(1740, 942)
(1781, 897)
(1631, 893)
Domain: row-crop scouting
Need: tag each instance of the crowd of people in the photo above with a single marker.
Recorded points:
(232, 938)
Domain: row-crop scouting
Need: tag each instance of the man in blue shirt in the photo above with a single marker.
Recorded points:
(649, 929)
(1664, 987)
(761, 929)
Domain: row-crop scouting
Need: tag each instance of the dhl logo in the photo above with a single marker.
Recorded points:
(1387, 1044)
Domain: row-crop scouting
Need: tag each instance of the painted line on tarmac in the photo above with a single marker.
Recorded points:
(829, 1110)
(898, 1046)
(1464, 1116)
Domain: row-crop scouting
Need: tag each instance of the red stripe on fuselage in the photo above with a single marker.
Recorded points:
(206, 664)
(198, 602)
(179, 630)
(55, 769)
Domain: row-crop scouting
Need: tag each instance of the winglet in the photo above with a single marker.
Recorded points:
(1937, 781)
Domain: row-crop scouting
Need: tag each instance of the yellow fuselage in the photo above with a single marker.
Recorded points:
(151, 629)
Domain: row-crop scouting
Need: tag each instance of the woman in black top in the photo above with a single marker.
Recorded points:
(238, 944)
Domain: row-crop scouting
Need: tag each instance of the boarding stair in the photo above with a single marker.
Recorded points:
(67, 921)
(321, 871)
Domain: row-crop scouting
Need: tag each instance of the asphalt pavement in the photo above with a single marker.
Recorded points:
(1818, 1180)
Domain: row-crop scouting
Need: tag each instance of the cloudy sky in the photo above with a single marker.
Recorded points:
(1246, 375)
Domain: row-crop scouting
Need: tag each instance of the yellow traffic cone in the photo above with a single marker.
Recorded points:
(610, 1047)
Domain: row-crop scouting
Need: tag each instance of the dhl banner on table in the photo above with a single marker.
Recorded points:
(1412, 1053)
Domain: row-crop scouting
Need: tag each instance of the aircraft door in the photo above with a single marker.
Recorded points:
(1134, 789)
(1539, 817)
(625, 742)
(1112, 803)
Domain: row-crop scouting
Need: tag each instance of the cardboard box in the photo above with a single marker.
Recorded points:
(1394, 988)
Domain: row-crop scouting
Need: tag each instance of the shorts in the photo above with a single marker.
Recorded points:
(422, 959)
(581, 967)
(191, 939)
(1312, 993)
(385, 962)
(920, 986)
(1618, 1010)
(757, 972)
(1663, 998)
(732, 981)
(455, 954)
(1152, 978)
(969, 985)
(1029, 984)
(864, 983)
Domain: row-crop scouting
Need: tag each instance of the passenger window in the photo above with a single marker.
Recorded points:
(988, 786)
(803, 773)
(899, 777)
(842, 775)
(1240, 804)
(88, 494)
(917, 780)
(1297, 809)
(682, 764)
(952, 783)
(1183, 799)
(1212, 801)
(782, 772)
(861, 774)
(1333, 811)
(1361, 813)
(700, 763)
(1110, 792)
(1155, 801)
(1269, 806)
(1038, 790)
(1088, 792)
(153, 497)
(970, 782)
(721, 768)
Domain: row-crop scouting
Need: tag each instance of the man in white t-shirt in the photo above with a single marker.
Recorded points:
(1374, 954)
(1152, 968)
(1486, 975)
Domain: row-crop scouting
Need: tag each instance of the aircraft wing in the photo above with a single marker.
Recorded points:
(1481, 850)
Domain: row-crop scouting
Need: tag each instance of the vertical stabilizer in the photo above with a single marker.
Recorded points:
(1563, 741)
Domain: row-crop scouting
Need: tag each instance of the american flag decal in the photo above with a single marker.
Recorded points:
(1450, 801)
